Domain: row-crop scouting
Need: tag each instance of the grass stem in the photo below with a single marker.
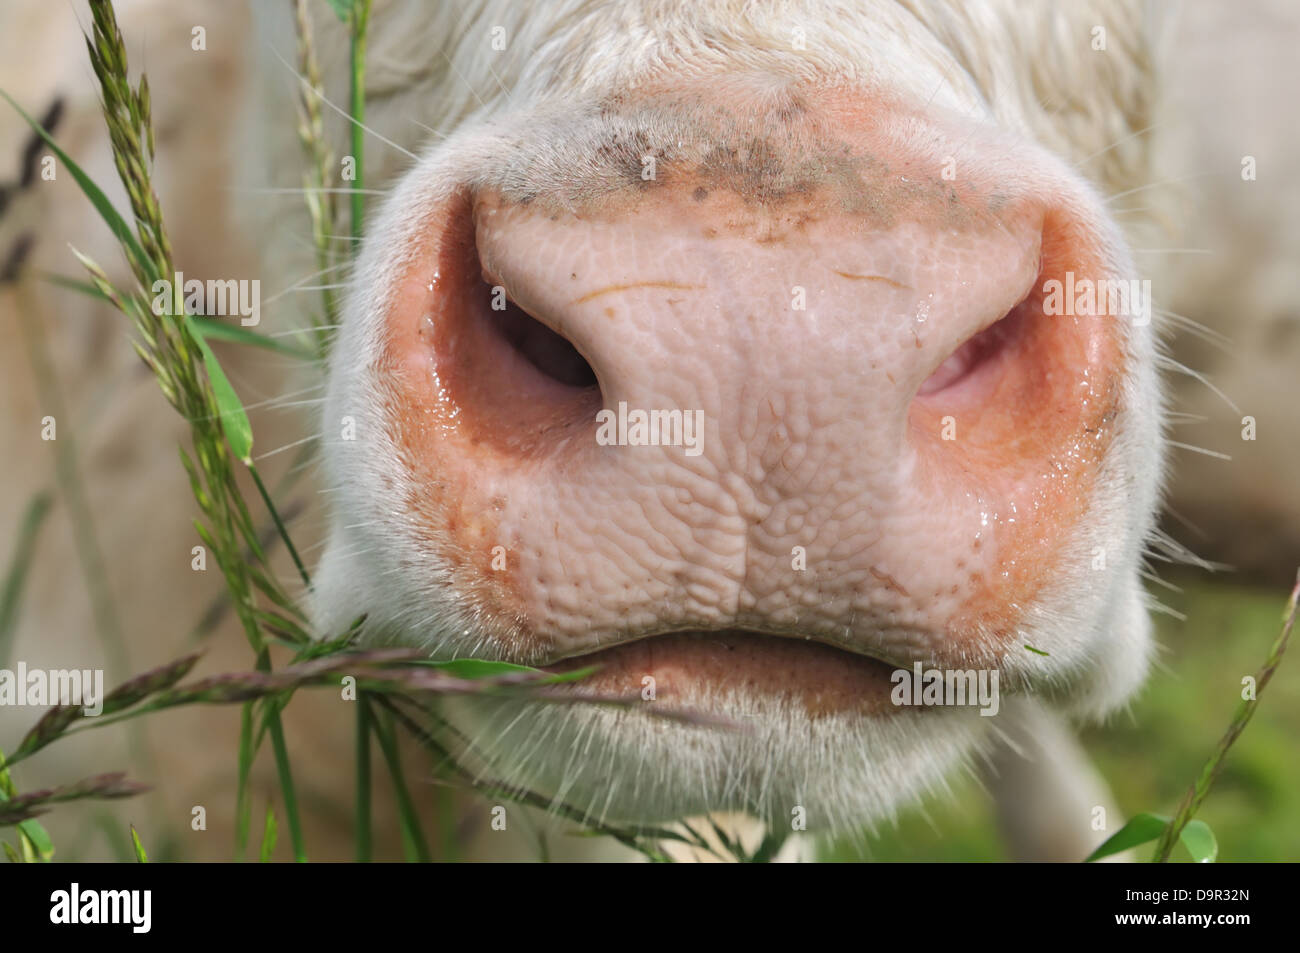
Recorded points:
(1196, 794)
(359, 22)
(279, 525)
(412, 834)
(287, 789)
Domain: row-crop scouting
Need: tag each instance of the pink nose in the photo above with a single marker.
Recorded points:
(838, 409)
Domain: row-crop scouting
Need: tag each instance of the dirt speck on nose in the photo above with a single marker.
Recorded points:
(889, 581)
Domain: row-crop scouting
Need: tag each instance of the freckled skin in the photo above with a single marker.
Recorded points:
(680, 296)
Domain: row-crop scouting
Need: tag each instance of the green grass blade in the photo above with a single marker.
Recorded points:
(359, 22)
(39, 839)
(769, 848)
(16, 577)
(140, 856)
(32, 837)
(577, 675)
(1139, 830)
(243, 810)
(215, 330)
(1199, 841)
(268, 837)
(73, 284)
(413, 841)
(473, 668)
(287, 789)
(234, 421)
(279, 525)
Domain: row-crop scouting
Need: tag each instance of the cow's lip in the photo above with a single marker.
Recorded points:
(696, 668)
(792, 636)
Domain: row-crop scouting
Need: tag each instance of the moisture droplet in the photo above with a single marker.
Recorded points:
(923, 311)
(426, 328)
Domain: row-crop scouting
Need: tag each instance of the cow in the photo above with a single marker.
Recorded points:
(771, 358)
(846, 240)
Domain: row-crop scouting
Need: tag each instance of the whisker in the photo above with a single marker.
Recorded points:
(428, 129)
(306, 329)
(1198, 330)
(305, 390)
(1202, 450)
(278, 404)
(1192, 323)
(1155, 605)
(310, 461)
(1184, 521)
(288, 446)
(498, 79)
(1117, 142)
(1154, 185)
(1152, 577)
(297, 284)
(1169, 363)
(342, 112)
(466, 82)
(288, 190)
(1174, 551)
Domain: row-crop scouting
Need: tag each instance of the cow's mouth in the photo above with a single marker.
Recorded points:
(700, 669)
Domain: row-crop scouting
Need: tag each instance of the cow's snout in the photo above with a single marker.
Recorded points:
(744, 393)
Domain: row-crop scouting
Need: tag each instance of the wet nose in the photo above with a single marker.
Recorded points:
(846, 412)
(800, 316)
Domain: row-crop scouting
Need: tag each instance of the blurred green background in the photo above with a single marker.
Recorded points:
(1152, 752)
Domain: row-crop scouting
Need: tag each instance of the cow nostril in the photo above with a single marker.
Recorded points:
(976, 352)
(479, 362)
(549, 352)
